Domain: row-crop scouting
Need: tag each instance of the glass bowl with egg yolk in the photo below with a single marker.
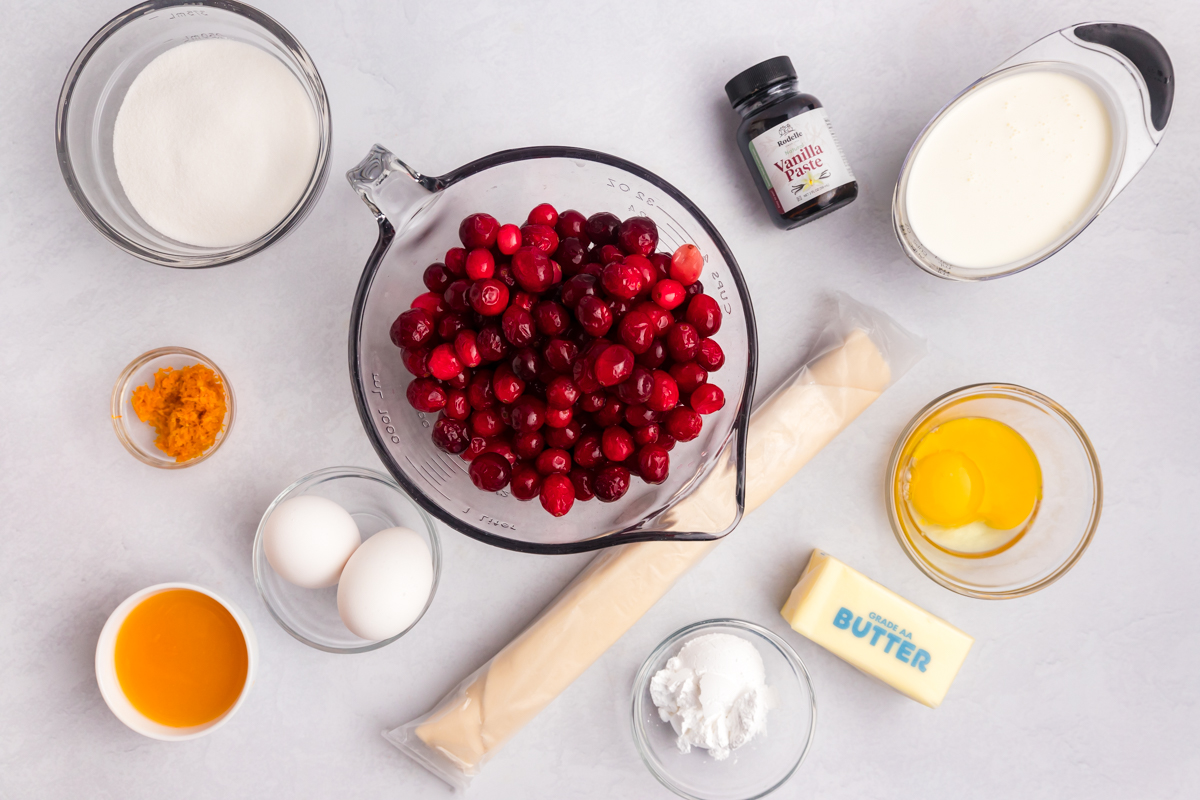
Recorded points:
(994, 491)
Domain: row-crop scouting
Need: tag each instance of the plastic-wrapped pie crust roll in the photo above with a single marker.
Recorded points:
(620, 585)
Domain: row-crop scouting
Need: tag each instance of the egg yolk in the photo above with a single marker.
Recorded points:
(181, 658)
(973, 469)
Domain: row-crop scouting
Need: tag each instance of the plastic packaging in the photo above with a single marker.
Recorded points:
(858, 355)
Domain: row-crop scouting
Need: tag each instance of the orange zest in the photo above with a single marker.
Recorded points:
(186, 408)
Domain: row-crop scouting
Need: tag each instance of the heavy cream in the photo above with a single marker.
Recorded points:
(1009, 169)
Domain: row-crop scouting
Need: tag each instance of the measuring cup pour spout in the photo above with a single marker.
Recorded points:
(395, 192)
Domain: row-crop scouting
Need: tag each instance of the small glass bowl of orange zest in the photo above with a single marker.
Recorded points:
(172, 407)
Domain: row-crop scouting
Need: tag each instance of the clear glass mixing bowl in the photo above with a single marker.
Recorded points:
(418, 220)
(96, 85)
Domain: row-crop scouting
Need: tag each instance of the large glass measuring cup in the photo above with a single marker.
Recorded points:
(1130, 72)
(418, 219)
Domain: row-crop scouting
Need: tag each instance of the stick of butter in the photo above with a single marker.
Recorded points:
(876, 629)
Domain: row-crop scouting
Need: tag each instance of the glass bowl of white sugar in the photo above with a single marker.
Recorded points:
(194, 135)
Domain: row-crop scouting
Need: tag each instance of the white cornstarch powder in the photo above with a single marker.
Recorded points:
(714, 694)
(215, 142)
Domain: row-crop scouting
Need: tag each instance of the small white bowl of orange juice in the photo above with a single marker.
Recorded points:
(175, 661)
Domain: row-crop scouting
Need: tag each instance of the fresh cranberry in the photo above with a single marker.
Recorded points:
(487, 423)
(693, 289)
(531, 267)
(704, 313)
(662, 266)
(458, 405)
(636, 331)
(456, 261)
(688, 375)
(654, 463)
(449, 326)
(560, 354)
(478, 230)
(602, 227)
(475, 446)
(582, 480)
(564, 437)
(593, 402)
(683, 424)
(459, 381)
(588, 452)
(437, 277)
(529, 444)
(490, 472)
(660, 318)
(638, 235)
(647, 434)
(412, 329)
(639, 416)
(489, 297)
(668, 294)
(467, 349)
(577, 288)
(655, 356)
(611, 483)
(457, 296)
(710, 356)
(506, 385)
(593, 315)
(617, 443)
(508, 239)
(613, 365)
(416, 361)
(542, 214)
(551, 318)
(666, 441)
(595, 269)
(665, 394)
(682, 342)
(562, 392)
(638, 387)
(612, 413)
(707, 399)
(584, 375)
(571, 254)
(686, 264)
(527, 364)
(570, 224)
(431, 303)
(504, 274)
(528, 414)
(622, 280)
(559, 417)
(491, 344)
(526, 482)
(540, 236)
(450, 435)
(557, 273)
(480, 264)
(558, 494)
(554, 461)
(611, 254)
(444, 363)
(426, 395)
(523, 300)
(518, 327)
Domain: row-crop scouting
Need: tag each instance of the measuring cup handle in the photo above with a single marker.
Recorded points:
(394, 191)
(1147, 54)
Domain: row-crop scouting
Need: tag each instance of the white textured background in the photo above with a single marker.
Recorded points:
(1087, 689)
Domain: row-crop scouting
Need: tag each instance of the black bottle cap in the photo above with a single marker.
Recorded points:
(760, 76)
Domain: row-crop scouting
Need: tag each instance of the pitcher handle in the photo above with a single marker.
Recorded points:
(395, 192)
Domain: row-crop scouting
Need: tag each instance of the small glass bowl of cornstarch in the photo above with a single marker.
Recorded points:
(194, 135)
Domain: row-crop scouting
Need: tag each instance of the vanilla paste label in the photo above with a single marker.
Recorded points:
(800, 159)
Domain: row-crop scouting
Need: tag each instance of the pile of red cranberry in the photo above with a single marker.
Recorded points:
(564, 355)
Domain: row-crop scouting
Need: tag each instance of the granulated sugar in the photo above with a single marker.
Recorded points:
(215, 142)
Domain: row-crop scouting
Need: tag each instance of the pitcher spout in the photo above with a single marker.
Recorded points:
(395, 192)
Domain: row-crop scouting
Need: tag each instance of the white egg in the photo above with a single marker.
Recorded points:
(385, 584)
(308, 539)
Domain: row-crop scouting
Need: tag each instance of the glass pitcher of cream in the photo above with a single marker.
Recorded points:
(1020, 162)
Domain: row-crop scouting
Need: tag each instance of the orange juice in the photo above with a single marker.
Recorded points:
(181, 658)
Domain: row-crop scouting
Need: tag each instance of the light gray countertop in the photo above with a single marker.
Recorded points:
(1086, 689)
